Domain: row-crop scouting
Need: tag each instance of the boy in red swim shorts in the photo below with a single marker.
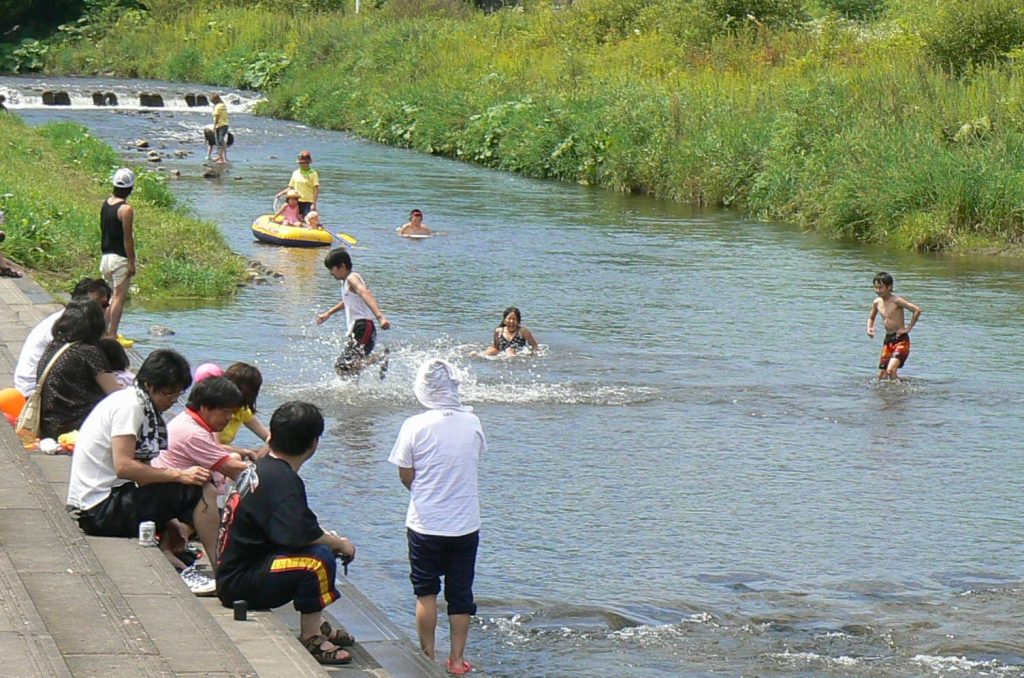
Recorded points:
(896, 348)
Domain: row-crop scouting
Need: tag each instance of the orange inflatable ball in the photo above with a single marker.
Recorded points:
(11, 402)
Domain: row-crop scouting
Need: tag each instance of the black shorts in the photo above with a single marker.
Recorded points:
(304, 578)
(359, 345)
(454, 558)
(128, 505)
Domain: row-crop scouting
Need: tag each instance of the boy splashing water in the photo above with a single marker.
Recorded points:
(896, 348)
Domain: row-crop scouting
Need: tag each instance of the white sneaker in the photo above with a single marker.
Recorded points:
(197, 582)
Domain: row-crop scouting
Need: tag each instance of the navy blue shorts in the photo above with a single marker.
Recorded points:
(305, 576)
(454, 558)
(305, 208)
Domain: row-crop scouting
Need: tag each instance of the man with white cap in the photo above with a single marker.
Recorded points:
(438, 454)
(118, 244)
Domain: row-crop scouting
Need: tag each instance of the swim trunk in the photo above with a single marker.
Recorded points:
(304, 577)
(221, 136)
(895, 346)
(454, 558)
(304, 208)
(359, 345)
(114, 269)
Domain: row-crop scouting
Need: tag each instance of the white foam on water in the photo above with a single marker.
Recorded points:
(801, 658)
(128, 99)
(944, 664)
(518, 381)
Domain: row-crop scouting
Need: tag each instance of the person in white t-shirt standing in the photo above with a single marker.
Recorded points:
(438, 454)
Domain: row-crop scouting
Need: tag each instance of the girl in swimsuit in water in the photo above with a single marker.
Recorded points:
(511, 336)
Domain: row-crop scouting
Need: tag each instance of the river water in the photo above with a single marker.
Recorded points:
(698, 474)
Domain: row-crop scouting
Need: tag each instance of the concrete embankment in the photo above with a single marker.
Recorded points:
(72, 605)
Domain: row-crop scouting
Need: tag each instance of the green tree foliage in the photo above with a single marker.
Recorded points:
(971, 32)
(36, 18)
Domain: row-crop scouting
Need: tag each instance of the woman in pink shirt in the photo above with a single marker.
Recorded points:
(192, 435)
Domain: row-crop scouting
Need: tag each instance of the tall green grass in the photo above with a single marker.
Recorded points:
(853, 128)
(52, 181)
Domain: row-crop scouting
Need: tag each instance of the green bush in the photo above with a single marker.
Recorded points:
(860, 10)
(29, 55)
(186, 65)
(765, 12)
(973, 32)
(261, 70)
(602, 20)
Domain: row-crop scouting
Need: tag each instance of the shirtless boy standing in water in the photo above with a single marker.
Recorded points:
(896, 348)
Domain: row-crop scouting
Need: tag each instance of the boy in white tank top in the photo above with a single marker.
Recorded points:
(360, 312)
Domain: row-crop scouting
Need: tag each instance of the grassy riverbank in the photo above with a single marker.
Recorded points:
(903, 125)
(52, 181)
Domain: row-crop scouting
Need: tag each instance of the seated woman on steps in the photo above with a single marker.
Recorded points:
(81, 376)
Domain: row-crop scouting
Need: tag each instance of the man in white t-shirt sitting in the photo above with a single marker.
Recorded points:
(42, 334)
(438, 454)
(113, 487)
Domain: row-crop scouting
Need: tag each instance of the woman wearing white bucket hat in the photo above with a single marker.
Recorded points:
(437, 454)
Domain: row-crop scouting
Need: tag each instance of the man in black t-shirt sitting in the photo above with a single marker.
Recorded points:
(272, 549)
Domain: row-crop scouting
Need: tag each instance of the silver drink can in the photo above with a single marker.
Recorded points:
(147, 533)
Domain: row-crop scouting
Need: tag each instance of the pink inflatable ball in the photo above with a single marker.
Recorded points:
(207, 370)
(11, 402)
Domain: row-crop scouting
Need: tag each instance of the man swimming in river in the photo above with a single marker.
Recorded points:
(415, 226)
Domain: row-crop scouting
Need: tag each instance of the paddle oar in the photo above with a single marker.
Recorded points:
(345, 236)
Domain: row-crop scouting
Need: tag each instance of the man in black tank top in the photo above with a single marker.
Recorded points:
(117, 242)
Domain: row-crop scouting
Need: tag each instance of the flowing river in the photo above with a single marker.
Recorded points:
(698, 474)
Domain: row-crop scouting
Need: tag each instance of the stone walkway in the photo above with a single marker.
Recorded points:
(72, 605)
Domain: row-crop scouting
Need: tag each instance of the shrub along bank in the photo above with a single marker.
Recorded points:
(52, 181)
(898, 122)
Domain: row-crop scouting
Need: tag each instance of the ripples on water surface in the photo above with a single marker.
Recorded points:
(698, 474)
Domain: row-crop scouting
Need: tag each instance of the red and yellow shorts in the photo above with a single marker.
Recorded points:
(895, 346)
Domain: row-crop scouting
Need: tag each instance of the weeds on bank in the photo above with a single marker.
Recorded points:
(52, 221)
(848, 116)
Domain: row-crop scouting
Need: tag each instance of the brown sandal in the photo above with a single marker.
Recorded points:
(326, 657)
(339, 637)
